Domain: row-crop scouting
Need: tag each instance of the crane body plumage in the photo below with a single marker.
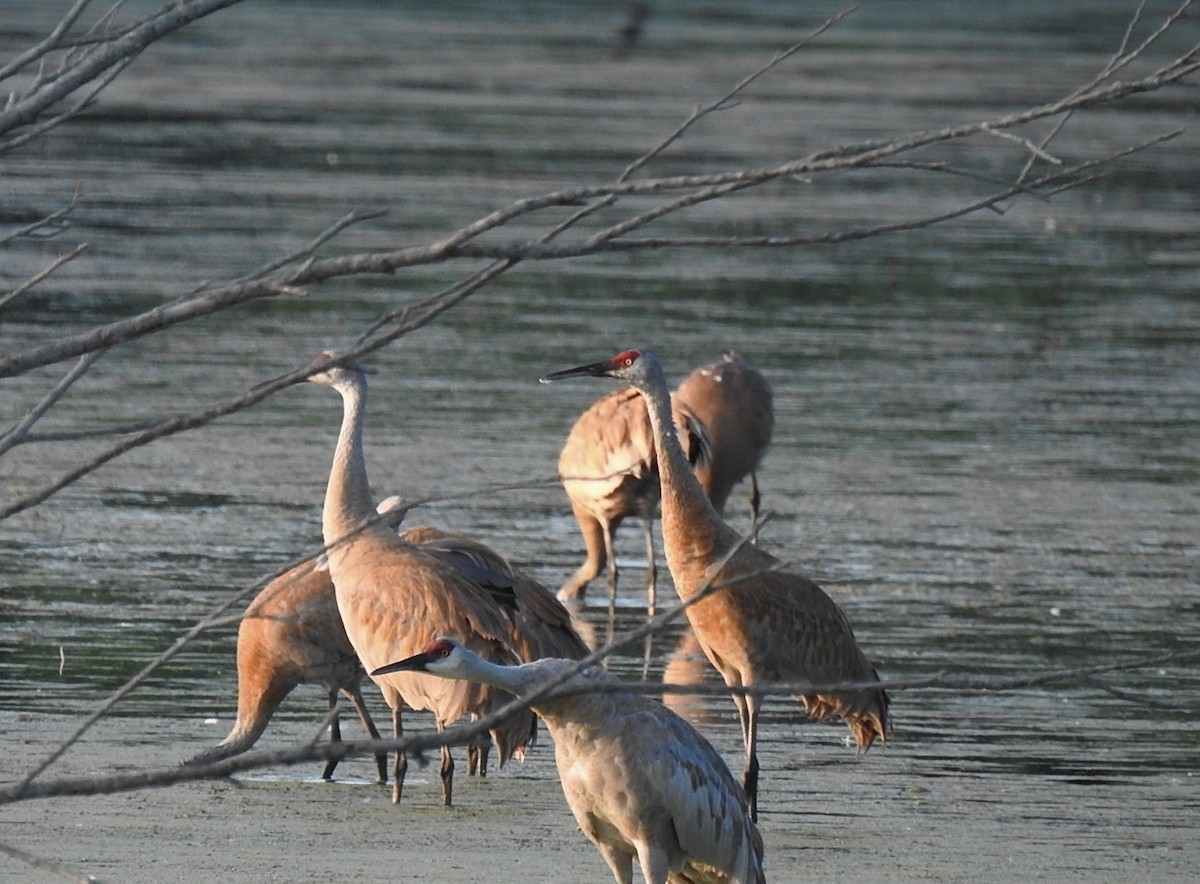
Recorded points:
(292, 634)
(764, 623)
(642, 783)
(394, 597)
(734, 402)
(607, 468)
(539, 624)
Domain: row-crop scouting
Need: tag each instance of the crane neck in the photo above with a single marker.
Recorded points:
(513, 679)
(348, 495)
(693, 533)
(520, 680)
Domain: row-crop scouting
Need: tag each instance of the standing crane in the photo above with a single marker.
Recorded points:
(394, 597)
(761, 623)
(607, 467)
(641, 782)
(292, 634)
(733, 400)
(540, 625)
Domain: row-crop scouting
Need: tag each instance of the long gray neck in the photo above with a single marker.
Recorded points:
(348, 495)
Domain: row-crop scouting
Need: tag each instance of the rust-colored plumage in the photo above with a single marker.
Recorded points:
(292, 634)
(394, 597)
(607, 467)
(539, 625)
(764, 624)
(733, 400)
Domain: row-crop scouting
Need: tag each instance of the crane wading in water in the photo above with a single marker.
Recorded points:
(641, 781)
(395, 597)
(770, 625)
(292, 634)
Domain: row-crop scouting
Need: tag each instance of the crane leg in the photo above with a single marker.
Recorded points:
(750, 784)
(749, 706)
(335, 733)
(593, 539)
(755, 500)
(447, 774)
(401, 759)
(610, 553)
(477, 754)
(651, 567)
(354, 692)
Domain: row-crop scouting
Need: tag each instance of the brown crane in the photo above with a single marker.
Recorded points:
(763, 624)
(733, 400)
(607, 467)
(292, 634)
(642, 783)
(540, 625)
(394, 597)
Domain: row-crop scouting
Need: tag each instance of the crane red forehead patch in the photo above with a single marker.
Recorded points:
(626, 359)
(439, 647)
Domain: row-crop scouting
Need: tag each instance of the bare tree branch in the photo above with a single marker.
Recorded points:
(258, 286)
(98, 65)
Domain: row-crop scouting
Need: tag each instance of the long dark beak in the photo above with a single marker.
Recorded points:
(592, 370)
(415, 663)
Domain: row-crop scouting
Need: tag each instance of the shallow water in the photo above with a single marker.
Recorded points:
(985, 432)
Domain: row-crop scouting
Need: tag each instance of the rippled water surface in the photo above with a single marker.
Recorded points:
(986, 432)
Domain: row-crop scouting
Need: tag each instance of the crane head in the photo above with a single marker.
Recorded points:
(338, 371)
(436, 652)
(628, 365)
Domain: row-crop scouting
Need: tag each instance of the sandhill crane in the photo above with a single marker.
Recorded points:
(607, 467)
(292, 634)
(733, 400)
(540, 625)
(394, 597)
(640, 780)
(770, 625)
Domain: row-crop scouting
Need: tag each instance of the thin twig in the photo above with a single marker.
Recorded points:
(38, 277)
(18, 433)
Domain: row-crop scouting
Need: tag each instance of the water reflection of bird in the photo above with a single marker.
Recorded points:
(631, 30)
(394, 597)
(764, 624)
(641, 782)
(607, 467)
(292, 634)
(687, 666)
(733, 400)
